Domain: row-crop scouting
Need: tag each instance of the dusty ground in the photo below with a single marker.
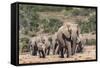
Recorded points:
(88, 54)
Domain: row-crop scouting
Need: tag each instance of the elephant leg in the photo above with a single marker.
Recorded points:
(57, 50)
(77, 48)
(54, 50)
(73, 49)
(35, 51)
(40, 54)
(69, 52)
(48, 51)
(31, 52)
(54, 46)
(61, 52)
(80, 47)
(43, 54)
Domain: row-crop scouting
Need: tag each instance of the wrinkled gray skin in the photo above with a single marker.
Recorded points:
(67, 38)
(45, 40)
(80, 44)
(33, 42)
(74, 35)
(79, 47)
(55, 44)
(63, 37)
(41, 49)
(40, 45)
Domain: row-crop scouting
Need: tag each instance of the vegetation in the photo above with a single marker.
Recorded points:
(35, 19)
(89, 25)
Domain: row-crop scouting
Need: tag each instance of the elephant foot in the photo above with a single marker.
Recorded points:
(42, 56)
(73, 53)
(34, 54)
(68, 56)
(61, 56)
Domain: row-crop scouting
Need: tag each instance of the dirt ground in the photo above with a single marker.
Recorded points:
(88, 54)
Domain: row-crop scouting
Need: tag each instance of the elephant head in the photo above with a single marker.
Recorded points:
(74, 34)
(33, 46)
(46, 41)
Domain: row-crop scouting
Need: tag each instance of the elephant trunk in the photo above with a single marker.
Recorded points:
(73, 42)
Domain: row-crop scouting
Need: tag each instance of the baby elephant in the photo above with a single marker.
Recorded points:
(44, 46)
(41, 49)
(39, 45)
(79, 46)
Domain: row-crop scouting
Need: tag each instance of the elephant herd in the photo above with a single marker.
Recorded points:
(65, 41)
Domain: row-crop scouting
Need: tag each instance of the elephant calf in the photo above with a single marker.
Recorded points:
(41, 49)
(33, 45)
(39, 45)
(79, 45)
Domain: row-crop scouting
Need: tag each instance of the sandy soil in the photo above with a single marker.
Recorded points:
(88, 54)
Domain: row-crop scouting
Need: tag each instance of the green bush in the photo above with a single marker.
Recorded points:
(88, 26)
(51, 25)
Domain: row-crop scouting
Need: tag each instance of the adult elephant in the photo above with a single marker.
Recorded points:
(75, 32)
(67, 38)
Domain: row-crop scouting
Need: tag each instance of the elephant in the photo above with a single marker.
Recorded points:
(55, 44)
(39, 45)
(41, 49)
(46, 41)
(79, 47)
(80, 44)
(33, 45)
(74, 36)
(67, 38)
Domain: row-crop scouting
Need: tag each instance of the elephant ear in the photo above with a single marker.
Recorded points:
(78, 31)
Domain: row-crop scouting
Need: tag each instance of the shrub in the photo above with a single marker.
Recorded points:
(88, 26)
(51, 25)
